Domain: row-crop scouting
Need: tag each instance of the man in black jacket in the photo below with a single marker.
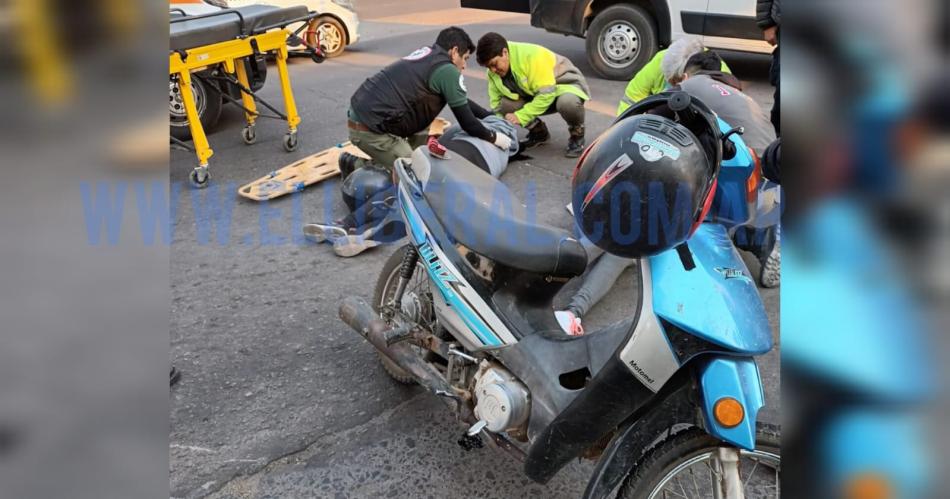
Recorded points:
(389, 116)
(391, 111)
(768, 15)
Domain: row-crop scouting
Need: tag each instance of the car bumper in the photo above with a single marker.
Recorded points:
(352, 23)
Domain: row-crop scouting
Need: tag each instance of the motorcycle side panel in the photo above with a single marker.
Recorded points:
(717, 300)
(648, 354)
(627, 382)
(483, 328)
(737, 378)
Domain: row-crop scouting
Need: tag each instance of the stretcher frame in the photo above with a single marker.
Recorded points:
(230, 54)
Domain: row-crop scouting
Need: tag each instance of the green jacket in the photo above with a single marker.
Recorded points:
(649, 81)
(541, 74)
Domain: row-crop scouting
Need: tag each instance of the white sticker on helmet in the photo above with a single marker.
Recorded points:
(654, 148)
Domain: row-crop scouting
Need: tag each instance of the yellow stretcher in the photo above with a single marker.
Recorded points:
(225, 39)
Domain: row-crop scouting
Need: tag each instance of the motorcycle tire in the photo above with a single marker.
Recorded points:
(660, 462)
(385, 287)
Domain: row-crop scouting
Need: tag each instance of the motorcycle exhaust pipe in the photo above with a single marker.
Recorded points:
(357, 314)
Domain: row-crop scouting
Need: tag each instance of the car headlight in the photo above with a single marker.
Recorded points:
(346, 4)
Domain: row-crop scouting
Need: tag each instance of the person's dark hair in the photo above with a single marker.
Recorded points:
(455, 37)
(706, 60)
(490, 46)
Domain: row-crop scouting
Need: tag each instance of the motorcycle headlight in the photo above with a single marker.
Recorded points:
(346, 4)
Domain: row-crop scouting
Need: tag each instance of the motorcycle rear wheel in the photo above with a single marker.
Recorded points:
(416, 305)
(681, 466)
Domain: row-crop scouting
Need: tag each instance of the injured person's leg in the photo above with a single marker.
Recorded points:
(595, 284)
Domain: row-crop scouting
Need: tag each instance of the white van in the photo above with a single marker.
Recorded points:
(623, 35)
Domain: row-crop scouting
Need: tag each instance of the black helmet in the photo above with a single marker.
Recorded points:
(364, 183)
(644, 185)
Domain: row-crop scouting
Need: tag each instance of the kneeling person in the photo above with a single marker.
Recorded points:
(389, 116)
(391, 111)
(526, 81)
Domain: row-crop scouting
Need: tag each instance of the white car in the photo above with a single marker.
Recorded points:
(623, 35)
(337, 26)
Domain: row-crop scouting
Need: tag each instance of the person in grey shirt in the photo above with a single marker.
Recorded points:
(722, 92)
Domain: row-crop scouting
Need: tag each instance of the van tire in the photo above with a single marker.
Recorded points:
(620, 40)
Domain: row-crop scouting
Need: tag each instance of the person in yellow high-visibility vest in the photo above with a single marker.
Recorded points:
(652, 78)
(527, 81)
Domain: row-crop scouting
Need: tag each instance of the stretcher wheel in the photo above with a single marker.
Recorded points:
(249, 135)
(290, 142)
(200, 177)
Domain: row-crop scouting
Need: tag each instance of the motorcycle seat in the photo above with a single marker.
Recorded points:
(481, 213)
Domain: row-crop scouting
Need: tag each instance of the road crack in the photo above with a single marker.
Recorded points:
(293, 455)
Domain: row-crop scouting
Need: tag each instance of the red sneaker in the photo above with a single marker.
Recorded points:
(435, 148)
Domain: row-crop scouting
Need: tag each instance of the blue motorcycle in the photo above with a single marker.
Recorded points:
(665, 401)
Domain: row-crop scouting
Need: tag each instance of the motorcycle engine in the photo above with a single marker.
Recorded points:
(501, 400)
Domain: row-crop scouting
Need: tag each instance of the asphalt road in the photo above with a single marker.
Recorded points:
(278, 398)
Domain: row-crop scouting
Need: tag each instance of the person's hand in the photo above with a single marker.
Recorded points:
(771, 35)
(502, 141)
(513, 119)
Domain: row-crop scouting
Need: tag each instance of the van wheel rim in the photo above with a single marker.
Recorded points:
(619, 44)
(176, 105)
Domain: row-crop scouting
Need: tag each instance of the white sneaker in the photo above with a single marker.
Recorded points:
(319, 233)
(570, 323)
(354, 244)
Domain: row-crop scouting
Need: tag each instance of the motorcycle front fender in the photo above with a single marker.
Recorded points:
(714, 378)
(675, 404)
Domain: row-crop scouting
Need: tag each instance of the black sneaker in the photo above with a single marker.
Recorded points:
(537, 133)
(348, 163)
(575, 144)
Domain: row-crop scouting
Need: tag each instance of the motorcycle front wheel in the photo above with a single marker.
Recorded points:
(416, 305)
(683, 465)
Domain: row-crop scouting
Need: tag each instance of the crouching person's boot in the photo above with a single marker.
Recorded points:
(575, 144)
(537, 133)
(348, 163)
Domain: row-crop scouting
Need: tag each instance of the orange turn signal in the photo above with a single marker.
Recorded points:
(728, 412)
(868, 486)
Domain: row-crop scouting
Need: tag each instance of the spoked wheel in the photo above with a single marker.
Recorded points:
(685, 466)
(417, 306)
